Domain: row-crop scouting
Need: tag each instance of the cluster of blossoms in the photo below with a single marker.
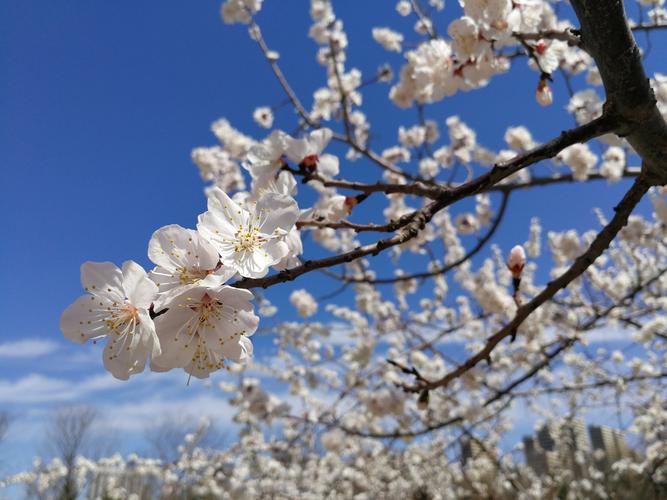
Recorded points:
(439, 67)
(182, 314)
(453, 292)
(340, 465)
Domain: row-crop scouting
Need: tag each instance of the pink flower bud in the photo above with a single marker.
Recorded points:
(543, 93)
(516, 261)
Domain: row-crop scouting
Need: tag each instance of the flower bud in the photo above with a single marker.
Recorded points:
(516, 261)
(543, 93)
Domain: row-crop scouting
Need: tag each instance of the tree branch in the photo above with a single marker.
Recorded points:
(596, 248)
(606, 36)
(602, 125)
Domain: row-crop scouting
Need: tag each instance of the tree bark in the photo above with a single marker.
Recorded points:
(606, 36)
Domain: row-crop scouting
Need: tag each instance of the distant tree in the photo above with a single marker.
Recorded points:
(69, 434)
(171, 432)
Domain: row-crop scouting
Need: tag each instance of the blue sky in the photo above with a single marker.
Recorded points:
(102, 103)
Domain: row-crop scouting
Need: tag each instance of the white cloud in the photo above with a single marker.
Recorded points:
(138, 415)
(28, 348)
(37, 388)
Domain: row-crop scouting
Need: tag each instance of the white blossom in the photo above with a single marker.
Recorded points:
(263, 116)
(205, 325)
(389, 39)
(249, 239)
(304, 302)
(116, 307)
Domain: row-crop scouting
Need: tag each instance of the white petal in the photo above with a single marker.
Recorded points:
(328, 165)
(213, 226)
(219, 202)
(138, 288)
(175, 331)
(296, 149)
(102, 278)
(204, 362)
(280, 212)
(84, 319)
(239, 351)
(149, 338)
(320, 139)
(286, 183)
(174, 247)
(253, 264)
(276, 250)
(122, 361)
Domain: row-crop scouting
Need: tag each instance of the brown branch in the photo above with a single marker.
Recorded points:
(343, 224)
(606, 36)
(441, 270)
(378, 160)
(572, 36)
(596, 248)
(416, 189)
(559, 179)
(343, 96)
(417, 8)
(257, 36)
(590, 385)
(599, 126)
(569, 35)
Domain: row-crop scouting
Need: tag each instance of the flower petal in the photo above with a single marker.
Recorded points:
(174, 247)
(102, 278)
(281, 212)
(328, 165)
(138, 288)
(84, 319)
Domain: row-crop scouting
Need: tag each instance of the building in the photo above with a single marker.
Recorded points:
(567, 445)
(610, 442)
(558, 446)
(470, 450)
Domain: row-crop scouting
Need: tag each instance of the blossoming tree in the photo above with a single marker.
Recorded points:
(381, 373)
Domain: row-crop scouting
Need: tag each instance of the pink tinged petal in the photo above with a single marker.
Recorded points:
(103, 279)
(84, 319)
(138, 288)
(278, 212)
(328, 165)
